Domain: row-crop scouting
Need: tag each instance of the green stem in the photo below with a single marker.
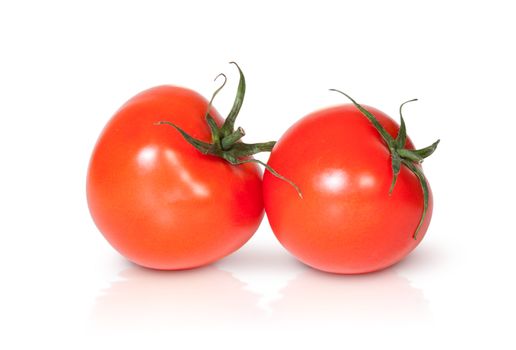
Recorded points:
(231, 139)
(226, 141)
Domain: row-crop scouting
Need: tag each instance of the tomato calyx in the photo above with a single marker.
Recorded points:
(401, 155)
(226, 142)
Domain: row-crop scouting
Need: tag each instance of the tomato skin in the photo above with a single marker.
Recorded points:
(159, 201)
(346, 222)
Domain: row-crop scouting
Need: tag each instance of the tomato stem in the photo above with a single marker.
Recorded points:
(226, 141)
(401, 155)
(231, 139)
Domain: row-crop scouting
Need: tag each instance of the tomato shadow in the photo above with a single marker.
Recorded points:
(142, 299)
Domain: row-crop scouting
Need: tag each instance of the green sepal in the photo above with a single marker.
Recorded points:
(273, 172)
(409, 154)
(242, 149)
(424, 187)
(427, 151)
(214, 128)
(385, 135)
(401, 139)
(229, 123)
(401, 155)
(203, 147)
(396, 166)
(226, 141)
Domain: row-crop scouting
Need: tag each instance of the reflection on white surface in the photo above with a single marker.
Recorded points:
(267, 296)
(147, 299)
(333, 180)
(377, 298)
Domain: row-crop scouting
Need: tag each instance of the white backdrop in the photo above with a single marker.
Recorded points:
(65, 67)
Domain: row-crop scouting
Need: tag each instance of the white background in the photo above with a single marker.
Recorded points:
(65, 67)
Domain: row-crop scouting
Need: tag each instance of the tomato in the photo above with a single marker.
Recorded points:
(346, 221)
(159, 201)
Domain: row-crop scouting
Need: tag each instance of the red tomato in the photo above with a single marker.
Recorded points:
(346, 221)
(160, 202)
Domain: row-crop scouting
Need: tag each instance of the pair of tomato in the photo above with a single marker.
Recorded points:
(188, 193)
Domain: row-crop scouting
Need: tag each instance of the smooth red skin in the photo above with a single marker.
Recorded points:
(160, 202)
(346, 222)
